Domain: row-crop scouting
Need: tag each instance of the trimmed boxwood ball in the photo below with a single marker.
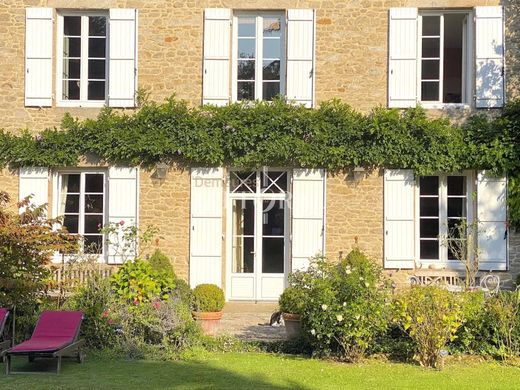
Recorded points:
(208, 298)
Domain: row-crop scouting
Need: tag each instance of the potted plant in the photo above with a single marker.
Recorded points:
(208, 302)
(291, 305)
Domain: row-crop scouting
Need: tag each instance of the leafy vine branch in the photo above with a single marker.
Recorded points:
(333, 136)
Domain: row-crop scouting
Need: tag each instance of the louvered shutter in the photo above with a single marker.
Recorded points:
(492, 222)
(34, 182)
(301, 27)
(217, 36)
(122, 79)
(38, 57)
(122, 207)
(206, 226)
(489, 43)
(399, 197)
(402, 58)
(308, 219)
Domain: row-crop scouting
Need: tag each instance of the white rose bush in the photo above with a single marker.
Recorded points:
(345, 308)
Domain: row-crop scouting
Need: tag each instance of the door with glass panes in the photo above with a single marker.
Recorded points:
(257, 234)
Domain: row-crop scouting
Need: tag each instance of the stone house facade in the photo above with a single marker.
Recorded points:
(246, 230)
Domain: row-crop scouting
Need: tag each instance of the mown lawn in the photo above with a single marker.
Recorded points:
(238, 371)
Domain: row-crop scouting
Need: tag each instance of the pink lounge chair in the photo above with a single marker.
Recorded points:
(5, 343)
(56, 335)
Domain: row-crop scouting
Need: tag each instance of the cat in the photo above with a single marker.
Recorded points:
(276, 319)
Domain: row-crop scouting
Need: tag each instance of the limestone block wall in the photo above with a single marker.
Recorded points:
(9, 184)
(354, 214)
(351, 49)
(165, 204)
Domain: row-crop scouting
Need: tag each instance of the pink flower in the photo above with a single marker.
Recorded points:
(121, 222)
(110, 322)
(157, 305)
(105, 314)
(136, 301)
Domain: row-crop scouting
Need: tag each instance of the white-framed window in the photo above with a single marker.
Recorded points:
(444, 57)
(82, 203)
(82, 60)
(258, 56)
(443, 202)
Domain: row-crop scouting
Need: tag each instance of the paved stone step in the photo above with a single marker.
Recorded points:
(250, 321)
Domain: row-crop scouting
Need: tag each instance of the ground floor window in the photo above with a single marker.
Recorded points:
(444, 207)
(81, 203)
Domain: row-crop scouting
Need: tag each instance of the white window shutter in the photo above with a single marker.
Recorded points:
(399, 199)
(206, 226)
(123, 207)
(301, 27)
(34, 182)
(492, 222)
(38, 57)
(217, 38)
(402, 58)
(308, 219)
(122, 64)
(489, 42)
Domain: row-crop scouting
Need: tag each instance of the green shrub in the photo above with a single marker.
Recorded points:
(95, 300)
(137, 282)
(395, 343)
(345, 305)
(469, 337)
(517, 281)
(502, 323)
(183, 292)
(156, 330)
(292, 300)
(431, 316)
(162, 264)
(208, 298)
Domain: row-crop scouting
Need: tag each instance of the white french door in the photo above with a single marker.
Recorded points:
(257, 234)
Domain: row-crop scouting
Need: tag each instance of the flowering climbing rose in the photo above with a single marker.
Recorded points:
(339, 317)
(324, 307)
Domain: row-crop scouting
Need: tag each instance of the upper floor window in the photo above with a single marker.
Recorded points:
(446, 57)
(82, 57)
(259, 47)
(444, 52)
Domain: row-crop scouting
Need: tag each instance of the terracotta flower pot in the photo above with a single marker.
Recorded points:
(209, 321)
(293, 327)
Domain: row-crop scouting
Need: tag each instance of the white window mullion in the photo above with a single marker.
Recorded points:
(81, 217)
(259, 57)
(441, 59)
(283, 57)
(465, 67)
(234, 58)
(84, 60)
(419, 59)
(59, 56)
(443, 217)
